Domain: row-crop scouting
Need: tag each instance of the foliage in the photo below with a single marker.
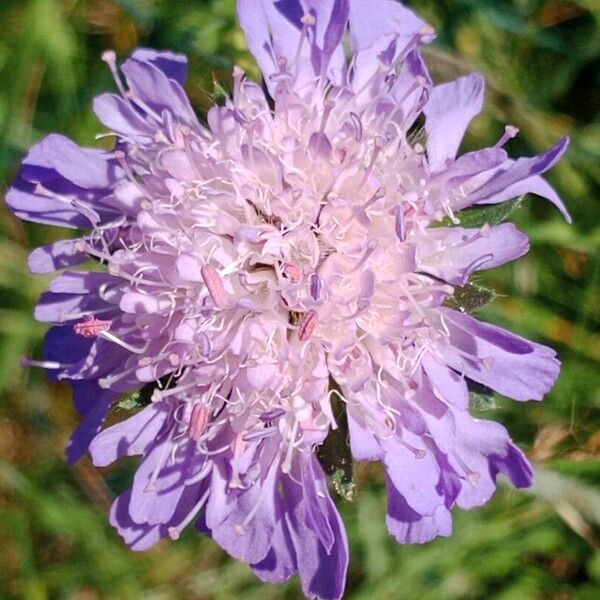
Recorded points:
(541, 59)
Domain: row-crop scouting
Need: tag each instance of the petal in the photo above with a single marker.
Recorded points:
(485, 449)
(465, 251)
(450, 109)
(410, 527)
(363, 443)
(151, 85)
(172, 64)
(53, 257)
(375, 23)
(80, 440)
(446, 383)
(119, 116)
(29, 206)
(415, 477)
(86, 168)
(322, 573)
(137, 537)
(507, 363)
(280, 562)
(159, 482)
(532, 185)
(130, 437)
(242, 521)
(519, 176)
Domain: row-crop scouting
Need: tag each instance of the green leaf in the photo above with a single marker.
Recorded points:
(481, 397)
(470, 298)
(492, 214)
(142, 397)
(334, 454)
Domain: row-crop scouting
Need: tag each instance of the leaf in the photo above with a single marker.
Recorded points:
(492, 214)
(470, 298)
(142, 397)
(481, 397)
(334, 454)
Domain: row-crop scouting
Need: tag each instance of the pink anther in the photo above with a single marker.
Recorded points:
(198, 421)
(91, 327)
(215, 285)
(293, 271)
(307, 325)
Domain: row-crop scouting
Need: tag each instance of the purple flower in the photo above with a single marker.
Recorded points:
(288, 251)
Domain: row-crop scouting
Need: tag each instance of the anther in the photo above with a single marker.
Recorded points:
(307, 325)
(293, 271)
(91, 327)
(214, 285)
(308, 20)
(198, 421)
(272, 415)
(400, 224)
(357, 124)
(315, 286)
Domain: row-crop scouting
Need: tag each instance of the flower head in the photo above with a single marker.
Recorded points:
(289, 250)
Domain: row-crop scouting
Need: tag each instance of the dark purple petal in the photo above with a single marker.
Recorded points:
(92, 423)
(322, 573)
(173, 65)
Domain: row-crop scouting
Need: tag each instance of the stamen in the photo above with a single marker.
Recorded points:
(371, 247)
(308, 325)
(198, 421)
(315, 286)
(214, 285)
(205, 345)
(479, 262)
(272, 415)
(357, 124)
(418, 453)
(91, 327)
(110, 58)
(509, 133)
(293, 271)
(380, 193)
(175, 532)
(43, 364)
(473, 477)
(400, 224)
(111, 337)
(259, 434)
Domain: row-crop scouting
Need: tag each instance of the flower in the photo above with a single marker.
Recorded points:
(290, 250)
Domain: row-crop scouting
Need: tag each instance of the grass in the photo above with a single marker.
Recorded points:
(541, 59)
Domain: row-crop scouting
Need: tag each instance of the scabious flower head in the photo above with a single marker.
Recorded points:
(294, 247)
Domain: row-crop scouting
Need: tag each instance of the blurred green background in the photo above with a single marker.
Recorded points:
(542, 62)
